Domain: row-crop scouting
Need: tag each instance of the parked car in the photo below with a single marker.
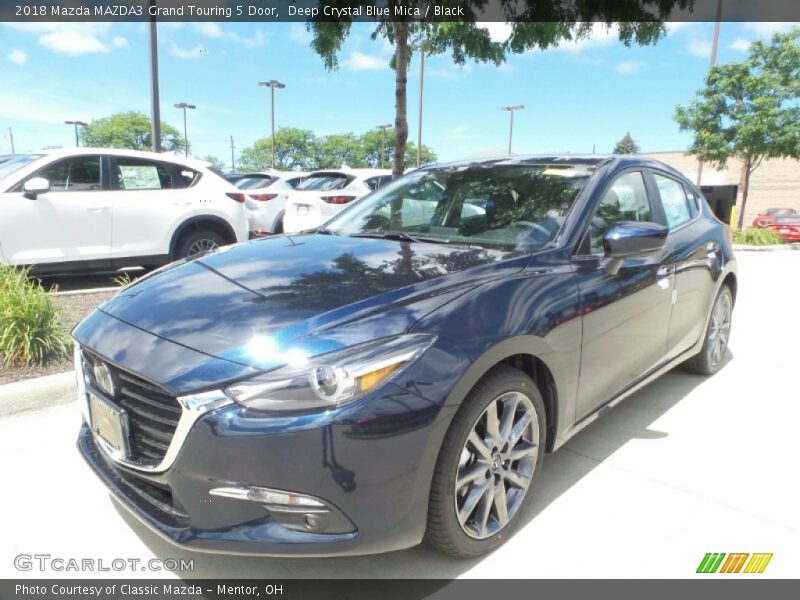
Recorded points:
(266, 201)
(770, 215)
(246, 181)
(361, 387)
(787, 227)
(94, 209)
(326, 193)
(5, 157)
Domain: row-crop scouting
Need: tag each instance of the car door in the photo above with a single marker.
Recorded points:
(625, 314)
(69, 223)
(693, 254)
(148, 197)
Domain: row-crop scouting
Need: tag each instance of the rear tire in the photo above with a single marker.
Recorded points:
(715, 342)
(198, 242)
(485, 471)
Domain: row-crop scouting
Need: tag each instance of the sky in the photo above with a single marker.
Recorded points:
(578, 98)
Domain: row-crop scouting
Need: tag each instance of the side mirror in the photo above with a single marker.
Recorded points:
(631, 239)
(35, 186)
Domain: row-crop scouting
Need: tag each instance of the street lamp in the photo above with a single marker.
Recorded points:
(383, 129)
(511, 110)
(272, 84)
(185, 106)
(76, 123)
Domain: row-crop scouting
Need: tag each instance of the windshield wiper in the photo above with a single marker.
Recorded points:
(401, 236)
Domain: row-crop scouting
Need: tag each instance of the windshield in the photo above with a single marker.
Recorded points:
(492, 205)
(17, 162)
(324, 183)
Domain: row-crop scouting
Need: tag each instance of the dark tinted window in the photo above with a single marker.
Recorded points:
(625, 200)
(142, 174)
(76, 174)
(251, 182)
(325, 182)
(295, 182)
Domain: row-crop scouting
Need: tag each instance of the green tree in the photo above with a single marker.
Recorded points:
(748, 110)
(371, 150)
(215, 161)
(131, 130)
(535, 24)
(294, 150)
(335, 150)
(626, 145)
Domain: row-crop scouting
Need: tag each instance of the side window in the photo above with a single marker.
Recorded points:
(77, 174)
(139, 174)
(677, 206)
(625, 200)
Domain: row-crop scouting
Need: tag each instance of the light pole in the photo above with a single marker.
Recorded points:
(713, 61)
(76, 124)
(419, 118)
(511, 110)
(383, 129)
(272, 84)
(185, 106)
(155, 102)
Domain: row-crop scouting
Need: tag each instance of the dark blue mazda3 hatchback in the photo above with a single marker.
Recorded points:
(400, 374)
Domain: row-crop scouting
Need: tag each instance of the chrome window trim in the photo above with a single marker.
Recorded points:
(193, 407)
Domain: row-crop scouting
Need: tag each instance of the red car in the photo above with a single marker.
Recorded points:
(771, 215)
(788, 228)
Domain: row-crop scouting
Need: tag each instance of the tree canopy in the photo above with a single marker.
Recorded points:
(300, 149)
(626, 145)
(131, 130)
(533, 25)
(748, 110)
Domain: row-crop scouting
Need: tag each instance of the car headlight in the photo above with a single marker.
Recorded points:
(332, 379)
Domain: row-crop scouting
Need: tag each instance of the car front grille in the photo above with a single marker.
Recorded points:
(153, 413)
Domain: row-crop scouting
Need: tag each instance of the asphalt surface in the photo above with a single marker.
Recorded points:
(688, 465)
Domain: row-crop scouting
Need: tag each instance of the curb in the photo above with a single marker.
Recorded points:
(100, 290)
(36, 394)
(773, 248)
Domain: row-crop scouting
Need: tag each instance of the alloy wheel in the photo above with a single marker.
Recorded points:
(496, 465)
(719, 329)
(202, 245)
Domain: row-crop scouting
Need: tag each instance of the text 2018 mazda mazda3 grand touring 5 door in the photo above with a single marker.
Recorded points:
(401, 373)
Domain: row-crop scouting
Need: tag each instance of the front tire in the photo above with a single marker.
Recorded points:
(488, 463)
(715, 343)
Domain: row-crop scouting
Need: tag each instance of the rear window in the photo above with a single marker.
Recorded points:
(324, 182)
(253, 182)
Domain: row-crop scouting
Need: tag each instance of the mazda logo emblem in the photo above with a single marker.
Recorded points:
(103, 378)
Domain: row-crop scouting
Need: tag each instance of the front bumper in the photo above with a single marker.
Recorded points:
(372, 464)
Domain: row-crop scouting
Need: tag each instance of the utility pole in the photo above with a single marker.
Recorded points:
(510, 110)
(76, 123)
(11, 139)
(155, 105)
(272, 84)
(185, 106)
(713, 61)
(233, 163)
(419, 118)
(383, 129)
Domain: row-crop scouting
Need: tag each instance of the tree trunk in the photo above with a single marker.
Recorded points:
(748, 170)
(401, 104)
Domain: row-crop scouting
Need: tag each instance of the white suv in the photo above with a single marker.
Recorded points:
(93, 209)
(324, 194)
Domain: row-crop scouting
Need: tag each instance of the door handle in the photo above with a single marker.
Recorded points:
(96, 209)
(711, 250)
(662, 276)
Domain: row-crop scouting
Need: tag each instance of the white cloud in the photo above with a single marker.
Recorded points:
(18, 57)
(190, 53)
(216, 32)
(73, 39)
(766, 30)
(676, 26)
(629, 67)
(498, 32)
(699, 47)
(600, 36)
(299, 34)
(459, 133)
(359, 61)
(740, 45)
(448, 71)
(209, 29)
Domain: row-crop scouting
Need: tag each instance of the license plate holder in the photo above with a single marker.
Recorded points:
(110, 424)
(302, 209)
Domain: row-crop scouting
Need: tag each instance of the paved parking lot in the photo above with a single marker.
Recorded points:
(686, 466)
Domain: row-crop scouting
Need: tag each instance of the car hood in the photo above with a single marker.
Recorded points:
(253, 302)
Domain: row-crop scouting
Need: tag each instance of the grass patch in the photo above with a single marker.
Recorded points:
(31, 332)
(753, 236)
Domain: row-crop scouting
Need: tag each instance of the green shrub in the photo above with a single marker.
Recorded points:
(30, 327)
(753, 236)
